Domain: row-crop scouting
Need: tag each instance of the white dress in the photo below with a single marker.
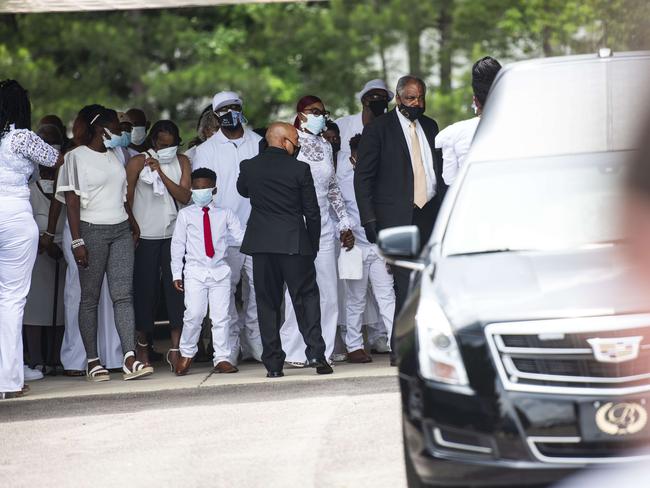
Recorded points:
(455, 142)
(317, 152)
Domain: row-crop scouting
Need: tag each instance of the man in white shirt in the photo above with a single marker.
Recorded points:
(222, 153)
(199, 247)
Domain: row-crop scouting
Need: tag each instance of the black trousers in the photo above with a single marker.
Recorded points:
(424, 218)
(153, 262)
(270, 273)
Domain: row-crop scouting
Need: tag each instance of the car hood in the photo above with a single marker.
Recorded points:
(484, 288)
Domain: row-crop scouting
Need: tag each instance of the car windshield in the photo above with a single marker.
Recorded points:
(559, 203)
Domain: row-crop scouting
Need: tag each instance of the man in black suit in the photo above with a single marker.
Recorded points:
(283, 235)
(398, 178)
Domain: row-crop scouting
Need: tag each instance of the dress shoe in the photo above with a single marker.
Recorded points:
(274, 374)
(324, 368)
(315, 363)
(224, 367)
(183, 366)
(359, 356)
(393, 361)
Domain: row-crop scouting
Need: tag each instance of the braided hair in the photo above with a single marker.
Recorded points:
(15, 107)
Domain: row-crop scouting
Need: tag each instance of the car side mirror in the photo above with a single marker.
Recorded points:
(400, 246)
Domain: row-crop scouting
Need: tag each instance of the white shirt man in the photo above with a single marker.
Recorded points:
(455, 142)
(222, 153)
(206, 278)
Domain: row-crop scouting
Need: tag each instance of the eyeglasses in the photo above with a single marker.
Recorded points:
(317, 112)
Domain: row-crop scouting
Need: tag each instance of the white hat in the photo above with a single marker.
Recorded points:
(225, 98)
(376, 84)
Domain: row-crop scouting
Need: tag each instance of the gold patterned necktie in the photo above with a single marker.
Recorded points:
(419, 175)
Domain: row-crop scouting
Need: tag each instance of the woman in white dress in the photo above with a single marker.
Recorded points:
(20, 151)
(317, 152)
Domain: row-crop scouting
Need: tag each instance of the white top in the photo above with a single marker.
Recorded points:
(455, 142)
(317, 152)
(425, 152)
(41, 209)
(154, 207)
(20, 151)
(347, 190)
(349, 126)
(188, 242)
(223, 155)
(99, 179)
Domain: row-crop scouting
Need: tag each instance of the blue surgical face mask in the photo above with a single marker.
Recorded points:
(315, 123)
(126, 139)
(202, 197)
(138, 135)
(115, 141)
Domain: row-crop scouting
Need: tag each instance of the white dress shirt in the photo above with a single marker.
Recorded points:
(425, 152)
(188, 242)
(349, 126)
(223, 155)
(455, 142)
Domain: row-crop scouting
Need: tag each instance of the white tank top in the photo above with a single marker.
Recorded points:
(156, 214)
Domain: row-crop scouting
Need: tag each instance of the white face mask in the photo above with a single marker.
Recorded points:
(167, 154)
(138, 135)
(47, 186)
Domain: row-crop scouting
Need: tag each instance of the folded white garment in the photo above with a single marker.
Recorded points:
(351, 264)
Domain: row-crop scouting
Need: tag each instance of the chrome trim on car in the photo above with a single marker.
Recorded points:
(534, 440)
(440, 440)
(510, 376)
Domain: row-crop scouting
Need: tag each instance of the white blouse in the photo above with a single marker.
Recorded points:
(99, 179)
(317, 152)
(20, 151)
(455, 142)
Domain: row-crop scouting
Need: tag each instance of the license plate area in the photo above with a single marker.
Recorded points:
(609, 420)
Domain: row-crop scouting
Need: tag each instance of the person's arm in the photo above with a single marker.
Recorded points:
(135, 228)
(27, 144)
(47, 238)
(337, 202)
(180, 192)
(242, 180)
(365, 174)
(235, 228)
(310, 208)
(133, 169)
(177, 250)
(72, 202)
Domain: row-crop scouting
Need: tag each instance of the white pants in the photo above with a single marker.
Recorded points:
(198, 295)
(18, 249)
(244, 330)
(326, 277)
(109, 347)
(381, 282)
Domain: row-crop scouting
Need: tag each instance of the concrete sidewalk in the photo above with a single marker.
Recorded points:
(200, 377)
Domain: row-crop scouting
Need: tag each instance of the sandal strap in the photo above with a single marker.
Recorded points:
(140, 344)
(97, 370)
(137, 366)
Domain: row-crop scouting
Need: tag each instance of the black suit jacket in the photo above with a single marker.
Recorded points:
(285, 217)
(383, 177)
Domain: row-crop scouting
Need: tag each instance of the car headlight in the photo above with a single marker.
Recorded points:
(438, 353)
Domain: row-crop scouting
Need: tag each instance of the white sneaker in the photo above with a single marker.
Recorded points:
(32, 374)
(339, 357)
(294, 364)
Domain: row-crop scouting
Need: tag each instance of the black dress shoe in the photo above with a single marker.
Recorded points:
(274, 374)
(324, 368)
(315, 363)
(393, 361)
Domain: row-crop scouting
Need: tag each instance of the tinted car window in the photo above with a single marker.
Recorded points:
(556, 203)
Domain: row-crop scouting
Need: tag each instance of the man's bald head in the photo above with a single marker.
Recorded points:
(283, 136)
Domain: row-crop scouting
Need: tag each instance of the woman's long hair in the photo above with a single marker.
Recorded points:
(83, 128)
(15, 107)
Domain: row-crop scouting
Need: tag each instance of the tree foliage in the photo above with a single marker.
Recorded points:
(170, 62)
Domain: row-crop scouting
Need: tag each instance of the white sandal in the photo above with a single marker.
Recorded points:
(98, 373)
(140, 370)
(171, 366)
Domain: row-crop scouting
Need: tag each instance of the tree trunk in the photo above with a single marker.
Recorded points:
(445, 24)
(414, 51)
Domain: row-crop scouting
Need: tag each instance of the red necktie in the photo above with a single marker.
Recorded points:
(207, 233)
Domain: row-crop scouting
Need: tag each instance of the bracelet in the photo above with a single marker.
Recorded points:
(49, 234)
(78, 243)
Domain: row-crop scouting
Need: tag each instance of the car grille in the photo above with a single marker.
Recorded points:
(573, 450)
(556, 356)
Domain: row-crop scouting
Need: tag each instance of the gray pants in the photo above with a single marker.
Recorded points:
(110, 250)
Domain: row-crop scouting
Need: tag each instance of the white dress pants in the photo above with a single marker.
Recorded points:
(73, 352)
(18, 249)
(326, 277)
(198, 295)
(381, 282)
(245, 329)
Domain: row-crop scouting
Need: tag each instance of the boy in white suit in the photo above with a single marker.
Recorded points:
(201, 237)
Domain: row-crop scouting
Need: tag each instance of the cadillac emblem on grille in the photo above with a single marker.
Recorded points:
(621, 418)
(615, 349)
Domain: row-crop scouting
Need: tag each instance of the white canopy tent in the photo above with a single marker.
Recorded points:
(32, 6)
